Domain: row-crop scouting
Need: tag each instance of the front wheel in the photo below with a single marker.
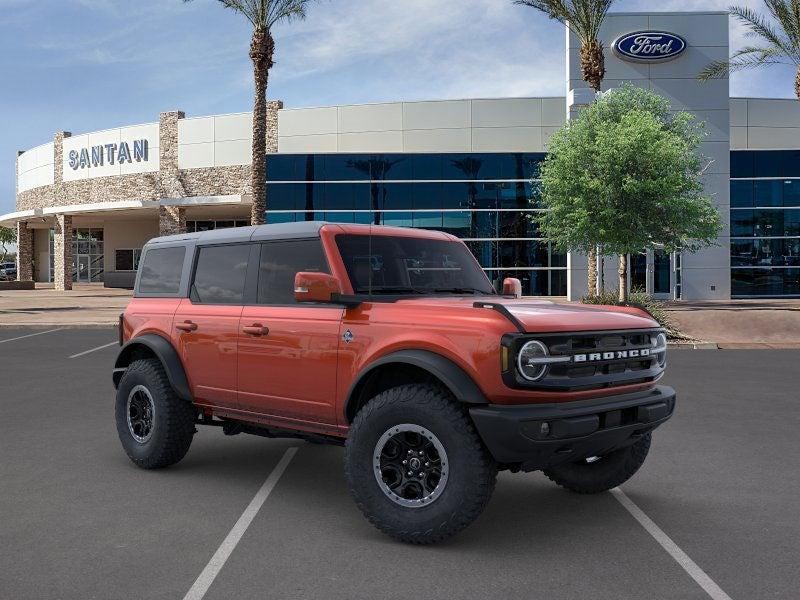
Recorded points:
(154, 425)
(601, 473)
(416, 466)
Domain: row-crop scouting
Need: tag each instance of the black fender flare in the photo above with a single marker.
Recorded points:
(165, 353)
(454, 378)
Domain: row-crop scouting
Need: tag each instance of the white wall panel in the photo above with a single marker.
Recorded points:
(738, 109)
(554, 111)
(507, 139)
(698, 29)
(437, 140)
(196, 131)
(233, 127)
(195, 156)
(773, 112)
(233, 152)
(370, 117)
(507, 112)
(298, 144)
(443, 114)
(371, 141)
(307, 121)
(739, 138)
(765, 138)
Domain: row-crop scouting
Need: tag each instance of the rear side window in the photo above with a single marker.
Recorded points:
(220, 274)
(280, 262)
(161, 270)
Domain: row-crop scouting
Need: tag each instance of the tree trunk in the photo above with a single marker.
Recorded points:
(797, 84)
(623, 278)
(591, 275)
(262, 47)
(601, 275)
(593, 64)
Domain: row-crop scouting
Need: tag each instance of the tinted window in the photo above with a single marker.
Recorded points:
(220, 274)
(398, 265)
(280, 262)
(161, 270)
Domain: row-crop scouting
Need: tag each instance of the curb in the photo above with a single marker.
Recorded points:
(51, 325)
(694, 345)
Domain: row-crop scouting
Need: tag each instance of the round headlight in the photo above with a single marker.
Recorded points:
(660, 348)
(529, 360)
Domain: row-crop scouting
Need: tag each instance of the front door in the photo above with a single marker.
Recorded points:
(287, 351)
(83, 268)
(206, 325)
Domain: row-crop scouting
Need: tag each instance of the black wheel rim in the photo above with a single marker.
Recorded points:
(410, 465)
(140, 412)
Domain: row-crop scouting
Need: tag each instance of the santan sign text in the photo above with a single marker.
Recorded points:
(97, 156)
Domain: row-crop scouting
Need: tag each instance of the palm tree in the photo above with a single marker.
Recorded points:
(779, 42)
(263, 15)
(584, 19)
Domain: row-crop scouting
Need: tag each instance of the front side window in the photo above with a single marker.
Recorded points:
(220, 274)
(161, 271)
(407, 265)
(281, 261)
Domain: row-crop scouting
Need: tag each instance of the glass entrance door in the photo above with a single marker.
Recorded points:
(662, 270)
(83, 269)
(652, 272)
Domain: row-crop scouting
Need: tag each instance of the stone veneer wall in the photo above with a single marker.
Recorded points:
(24, 248)
(62, 251)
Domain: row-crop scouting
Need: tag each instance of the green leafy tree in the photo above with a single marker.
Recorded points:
(8, 236)
(263, 15)
(626, 175)
(778, 40)
(584, 19)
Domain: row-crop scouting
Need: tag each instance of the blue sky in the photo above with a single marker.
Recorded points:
(84, 65)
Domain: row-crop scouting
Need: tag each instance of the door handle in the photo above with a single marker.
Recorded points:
(255, 329)
(186, 326)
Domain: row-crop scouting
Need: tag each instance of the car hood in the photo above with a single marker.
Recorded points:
(544, 316)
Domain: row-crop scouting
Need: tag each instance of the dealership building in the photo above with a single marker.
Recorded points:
(86, 204)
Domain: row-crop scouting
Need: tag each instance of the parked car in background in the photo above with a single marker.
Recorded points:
(8, 271)
(393, 343)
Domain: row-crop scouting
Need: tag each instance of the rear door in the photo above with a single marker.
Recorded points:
(288, 351)
(206, 324)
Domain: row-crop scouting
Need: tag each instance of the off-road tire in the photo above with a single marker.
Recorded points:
(472, 471)
(608, 472)
(173, 421)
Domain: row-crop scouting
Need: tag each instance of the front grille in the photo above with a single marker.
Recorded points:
(596, 359)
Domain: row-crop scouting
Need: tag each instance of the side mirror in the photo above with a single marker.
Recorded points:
(512, 287)
(315, 287)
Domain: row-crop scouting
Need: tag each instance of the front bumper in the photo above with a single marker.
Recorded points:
(538, 436)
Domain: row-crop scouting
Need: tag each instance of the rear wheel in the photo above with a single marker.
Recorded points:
(601, 473)
(154, 425)
(416, 466)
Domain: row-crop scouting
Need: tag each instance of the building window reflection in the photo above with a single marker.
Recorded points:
(486, 199)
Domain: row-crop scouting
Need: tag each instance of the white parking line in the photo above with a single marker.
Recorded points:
(206, 578)
(94, 349)
(688, 565)
(22, 337)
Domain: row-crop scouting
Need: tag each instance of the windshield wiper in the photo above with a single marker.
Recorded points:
(390, 289)
(462, 290)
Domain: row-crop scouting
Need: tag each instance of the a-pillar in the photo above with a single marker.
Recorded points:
(171, 219)
(62, 253)
(24, 252)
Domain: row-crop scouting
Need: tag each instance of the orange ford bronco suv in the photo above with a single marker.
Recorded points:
(393, 343)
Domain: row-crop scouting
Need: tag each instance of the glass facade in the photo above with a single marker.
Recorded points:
(765, 223)
(486, 199)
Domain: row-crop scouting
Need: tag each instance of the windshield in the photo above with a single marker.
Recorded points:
(382, 264)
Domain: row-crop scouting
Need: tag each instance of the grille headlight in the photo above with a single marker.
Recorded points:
(660, 349)
(532, 360)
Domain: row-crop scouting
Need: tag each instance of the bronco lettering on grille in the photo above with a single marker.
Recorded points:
(616, 355)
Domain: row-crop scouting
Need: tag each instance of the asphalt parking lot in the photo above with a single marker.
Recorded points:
(79, 520)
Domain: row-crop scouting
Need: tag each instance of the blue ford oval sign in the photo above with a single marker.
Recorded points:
(649, 46)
